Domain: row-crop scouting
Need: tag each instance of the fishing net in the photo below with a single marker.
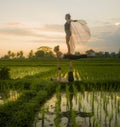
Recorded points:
(80, 34)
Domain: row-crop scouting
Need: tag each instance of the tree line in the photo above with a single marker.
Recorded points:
(45, 51)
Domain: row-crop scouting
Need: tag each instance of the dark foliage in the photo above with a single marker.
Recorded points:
(4, 73)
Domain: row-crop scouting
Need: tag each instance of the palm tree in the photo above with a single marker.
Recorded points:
(21, 54)
(9, 54)
(18, 54)
(31, 54)
(13, 55)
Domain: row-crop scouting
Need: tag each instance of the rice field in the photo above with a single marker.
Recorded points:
(29, 97)
(21, 72)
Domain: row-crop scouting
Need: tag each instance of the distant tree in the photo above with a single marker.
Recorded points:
(39, 53)
(77, 53)
(100, 54)
(113, 54)
(4, 73)
(21, 54)
(31, 54)
(9, 54)
(13, 55)
(44, 51)
(119, 53)
(18, 54)
(5, 57)
(107, 54)
(49, 54)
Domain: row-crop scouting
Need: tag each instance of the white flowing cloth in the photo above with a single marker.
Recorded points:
(80, 34)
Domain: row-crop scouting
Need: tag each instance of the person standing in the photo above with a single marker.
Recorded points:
(68, 31)
(77, 33)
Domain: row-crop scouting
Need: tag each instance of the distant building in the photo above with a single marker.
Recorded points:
(91, 53)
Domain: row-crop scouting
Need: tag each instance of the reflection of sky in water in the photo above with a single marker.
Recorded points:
(106, 109)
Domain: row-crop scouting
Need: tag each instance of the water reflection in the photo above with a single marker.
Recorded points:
(80, 109)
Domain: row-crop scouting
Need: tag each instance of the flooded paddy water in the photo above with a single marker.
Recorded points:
(73, 108)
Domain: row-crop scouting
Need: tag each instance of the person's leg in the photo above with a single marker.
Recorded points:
(67, 42)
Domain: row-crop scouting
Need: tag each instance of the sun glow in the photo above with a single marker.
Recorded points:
(117, 23)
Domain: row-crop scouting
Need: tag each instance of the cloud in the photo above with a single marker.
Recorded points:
(14, 24)
(103, 22)
(49, 40)
(54, 27)
(20, 29)
(17, 32)
(105, 37)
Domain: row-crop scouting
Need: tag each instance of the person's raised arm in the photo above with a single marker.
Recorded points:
(74, 20)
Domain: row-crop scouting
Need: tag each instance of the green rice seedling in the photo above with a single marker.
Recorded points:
(105, 120)
(20, 72)
(79, 103)
(57, 113)
(97, 123)
(118, 106)
(90, 122)
(35, 121)
(58, 93)
(94, 121)
(65, 75)
(99, 73)
(13, 95)
(43, 116)
(87, 97)
(58, 106)
(68, 96)
(98, 107)
(75, 92)
(74, 74)
(73, 116)
(110, 119)
(78, 76)
(93, 99)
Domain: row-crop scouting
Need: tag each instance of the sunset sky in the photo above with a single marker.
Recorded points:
(29, 24)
